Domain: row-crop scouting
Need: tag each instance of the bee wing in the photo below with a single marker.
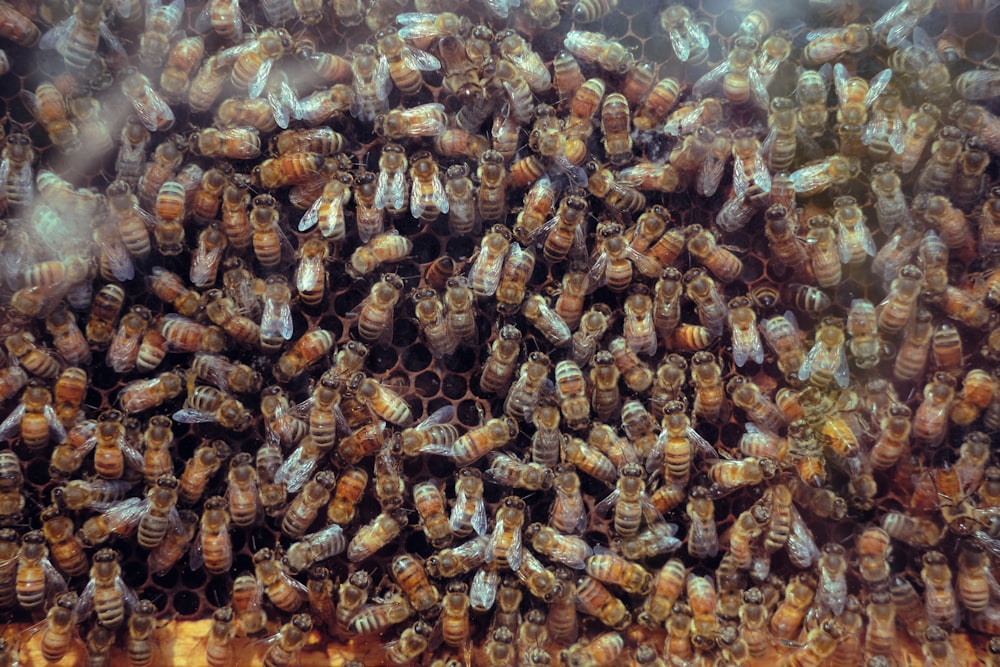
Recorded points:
(203, 22)
(438, 195)
(86, 601)
(381, 80)
(842, 373)
(648, 266)
(802, 549)
(417, 25)
(58, 432)
(420, 60)
(277, 319)
(442, 415)
(758, 89)
(191, 416)
(309, 273)
(710, 175)
(12, 424)
(502, 7)
(311, 216)
(54, 582)
(295, 470)
(483, 591)
(196, 555)
(119, 260)
(808, 177)
(649, 511)
(55, 37)
(840, 78)
(743, 345)
(284, 104)
(844, 246)
(151, 109)
(878, 85)
(259, 80)
(596, 274)
(700, 445)
(133, 457)
(603, 509)
(397, 189)
(681, 47)
(710, 79)
(417, 206)
(112, 40)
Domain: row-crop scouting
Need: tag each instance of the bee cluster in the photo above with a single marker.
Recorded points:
(502, 334)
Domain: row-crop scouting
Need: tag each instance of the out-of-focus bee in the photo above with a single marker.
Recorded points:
(939, 171)
(371, 84)
(371, 537)
(48, 107)
(222, 16)
(939, 594)
(182, 60)
(593, 47)
(687, 38)
(76, 38)
(820, 176)
(920, 533)
(898, 307)
(977, 85)
(896, 24)
(150, 107)
(33, 358)
(162, 22)
(237, 143)
(17, 27)
(17, 184)
(829, 44)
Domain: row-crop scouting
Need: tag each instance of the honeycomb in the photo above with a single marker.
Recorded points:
(185, 598)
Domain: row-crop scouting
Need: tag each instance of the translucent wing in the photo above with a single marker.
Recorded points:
(604, 508)
(420, 60)
(55, 426)
(311, 216)
(191, 416)
(151, 109)
(309, 273)
(483, 591)
(12, 424)
(681, 47)
(840, 78)
(277, 319)
(746, 342)
(296, 470)
(877, 86)
(700, 445)
(802, 549)
(442, 415)
(259, 80)
(112, 40)
(284, 104)
(710, 79)
(56, 36)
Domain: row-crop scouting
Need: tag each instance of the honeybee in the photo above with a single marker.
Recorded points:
(144, 394)
(376, 534)
(307, 350)
(58, 630)
(17, 27)
(18, 176)
(595, 48)
(386, 248)
(826, 361)
(48, 107)
(208, 404)
(106, 593)
(898, 307)
(33, 358)
(740, 81)
(427, 197)
(35, 418)
(820, 176)
(687, 38)
(469, 512)
(896, 24)
(150, 107)
(289, 642)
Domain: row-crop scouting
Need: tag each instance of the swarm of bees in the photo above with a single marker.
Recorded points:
(491, 336)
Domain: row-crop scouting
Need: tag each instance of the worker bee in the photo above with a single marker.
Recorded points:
(687, 38)
(307, 350)
(595, 48)
(208, 404)
(371, 537)
(35, 418)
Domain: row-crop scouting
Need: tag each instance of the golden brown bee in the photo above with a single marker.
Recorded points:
(307, 350)
(492, 193)
(289, 642)
(34, 359)
(371, 537)
(247, 603)
(213, 548)
(48, 107)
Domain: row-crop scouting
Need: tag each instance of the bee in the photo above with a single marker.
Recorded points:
(743, 324)
(824, 174)
(149, 105)
(48, 106)
(33, 358)
(688, 38)
(316, 547)
(16, 186)
(162, 22)
(106, 593)
(289, 642)
(469, 511)
(595, 48)
(455, 628)
(17, 27)
(58, 631)
(898, 307)
(829, 44)
(386, 248)
(826, 361)
(218, 647)
(376, 534)
(372, 81)
(430, 313)
(307, 350)
(286, 593)
(430, 504)
(911, 360)
(740, 81)
(208, 404)
(595, 600)
(524, 395)
(35, 418)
